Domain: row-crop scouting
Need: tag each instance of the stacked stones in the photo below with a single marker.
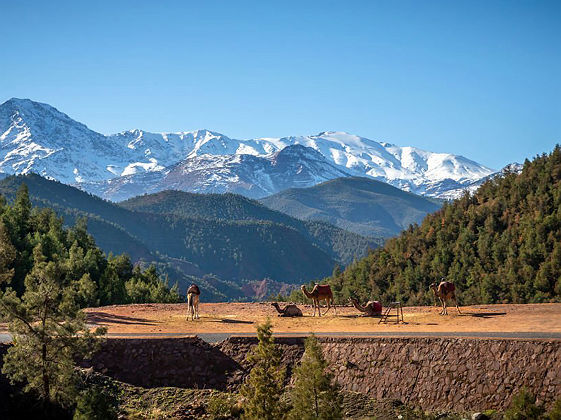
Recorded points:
(431, 373)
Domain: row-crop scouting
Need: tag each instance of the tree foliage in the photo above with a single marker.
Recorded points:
(501, 244)
(97, 279)
(523, 407)
(228, 235)
(263, 387)
(314, 395)
(48, 330)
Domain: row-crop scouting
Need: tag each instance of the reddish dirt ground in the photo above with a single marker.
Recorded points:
(243, 317)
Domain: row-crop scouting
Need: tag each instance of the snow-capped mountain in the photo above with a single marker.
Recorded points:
(249, 175)
(453, 193)
(36, 137)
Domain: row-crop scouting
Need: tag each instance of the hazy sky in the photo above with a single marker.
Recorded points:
(481, 79)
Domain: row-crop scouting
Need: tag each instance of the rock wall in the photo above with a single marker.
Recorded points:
(431, 373)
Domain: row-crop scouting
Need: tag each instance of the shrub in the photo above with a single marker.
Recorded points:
(95, 404)
(523, 407)
(222, 406)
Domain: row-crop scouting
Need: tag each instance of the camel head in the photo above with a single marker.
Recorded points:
(353, 299)
(275, 305)
(434, 287)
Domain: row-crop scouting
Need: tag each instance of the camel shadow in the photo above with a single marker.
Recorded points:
(235, 321)
(104, 318)
(484, 314)
(229, 321)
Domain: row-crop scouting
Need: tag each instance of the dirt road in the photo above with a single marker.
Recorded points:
(236, 318)
(221, 320)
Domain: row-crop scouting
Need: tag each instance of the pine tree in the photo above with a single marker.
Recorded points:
(7, 255)
(48, 331)
(263, 387)
(314, 395)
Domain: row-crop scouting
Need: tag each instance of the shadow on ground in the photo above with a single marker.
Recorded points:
(484, 314)
(104, 318)
(229, 321)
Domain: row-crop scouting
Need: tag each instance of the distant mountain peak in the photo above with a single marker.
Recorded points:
(36, 137)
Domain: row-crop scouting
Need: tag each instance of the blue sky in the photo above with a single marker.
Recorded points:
(477, 78)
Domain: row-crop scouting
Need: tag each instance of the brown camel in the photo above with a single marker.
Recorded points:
(444, 291)
(288, 310)
(372, 307)
(193, 294)
(320, 292)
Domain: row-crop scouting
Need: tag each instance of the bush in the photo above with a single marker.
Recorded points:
(95, 404)
(555, 412)
(222, 406)
(523, 407)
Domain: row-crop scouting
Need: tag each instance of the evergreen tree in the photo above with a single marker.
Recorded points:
(501, 244)
(7, 255)
(263, 387)
(314, 395)
(48, 331)
(95, 278)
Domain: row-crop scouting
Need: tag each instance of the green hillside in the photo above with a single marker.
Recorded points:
(232, 250)
(35, 244)
(360, 205)
(502, 244)
(343, 246)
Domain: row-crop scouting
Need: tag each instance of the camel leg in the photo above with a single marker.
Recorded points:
(328, 306)
(457, 307)
(443, 307)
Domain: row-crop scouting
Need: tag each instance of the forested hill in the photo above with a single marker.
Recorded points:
(206, 206)
(34, 244)
(501, 244)
(234, 251)
(361, 205)
(342, 245)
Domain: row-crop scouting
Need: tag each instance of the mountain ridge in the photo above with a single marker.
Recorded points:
(38, 138)
(358, 204)
(286, 251)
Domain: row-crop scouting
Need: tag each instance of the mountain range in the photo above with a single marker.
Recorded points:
(36, 137)
(227, 242)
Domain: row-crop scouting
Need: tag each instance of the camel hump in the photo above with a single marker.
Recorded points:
(323, 289)
(193, 290)
(447, 287)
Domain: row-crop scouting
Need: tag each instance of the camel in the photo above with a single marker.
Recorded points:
(444, 291)
(372, 307)
(193, 294)
(288, 311)
(320, 292)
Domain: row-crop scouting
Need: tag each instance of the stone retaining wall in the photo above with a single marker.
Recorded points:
(431, 373)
